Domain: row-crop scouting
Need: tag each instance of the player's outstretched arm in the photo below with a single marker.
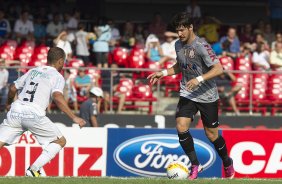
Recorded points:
(62, 104)
(154, 77)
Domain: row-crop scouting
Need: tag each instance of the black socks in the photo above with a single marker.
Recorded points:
(187, 144)
(220, 147)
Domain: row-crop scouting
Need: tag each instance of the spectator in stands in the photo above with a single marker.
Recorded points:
(226, 91)
(12, 13)
(230, 43)
(72, 20)
(168, 46)
(247, 50)
(260, 39)
(260, 57)
(209, 29)
(23, 28)
(42, 14)
(101, 45)
(5, 29)
(260, 27)
(82, 46)
(82, 82)
(247, 35)
(108, 88)
(70, 93)
(127, 38)
(3, 85)
(194, 9)
(62, 42)
(276, 57)
(139, 36)
(153, 49)
(157, 26)
(54, 28)
(278, 38)
(268, 34)
(115, 34)
(39, 30)
(89, 109)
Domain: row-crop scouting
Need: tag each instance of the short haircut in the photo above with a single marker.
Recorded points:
(182, 19)
(55, 54)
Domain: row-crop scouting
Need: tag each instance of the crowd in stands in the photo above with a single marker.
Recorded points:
(133, 45)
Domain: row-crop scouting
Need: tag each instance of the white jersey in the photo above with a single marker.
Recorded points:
(37, 86)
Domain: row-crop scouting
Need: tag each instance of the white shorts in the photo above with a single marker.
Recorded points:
(22, 118)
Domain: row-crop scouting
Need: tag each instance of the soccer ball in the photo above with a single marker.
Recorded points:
(177, 170)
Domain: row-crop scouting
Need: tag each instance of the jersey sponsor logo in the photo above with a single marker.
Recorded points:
(150, 155)
(191, 66)
(210, 52)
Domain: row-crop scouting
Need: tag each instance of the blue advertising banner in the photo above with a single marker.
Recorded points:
(147, 152)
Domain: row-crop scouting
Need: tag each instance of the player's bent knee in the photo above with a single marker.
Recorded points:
(1, 144)
(62, 141)
(183, 124)
(211, 135)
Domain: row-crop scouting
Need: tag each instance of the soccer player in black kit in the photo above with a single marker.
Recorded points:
(198, 92)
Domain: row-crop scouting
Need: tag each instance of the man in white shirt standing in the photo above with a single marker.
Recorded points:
(37, 88)
(82, 46)
(169, 45)
(23, 27)
(3, 85)
(62, 42)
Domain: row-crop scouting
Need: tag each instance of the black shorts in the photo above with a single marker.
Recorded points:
(101, 57)
(209, 111)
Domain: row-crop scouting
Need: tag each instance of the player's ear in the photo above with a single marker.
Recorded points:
(191, 27)
(61, 61)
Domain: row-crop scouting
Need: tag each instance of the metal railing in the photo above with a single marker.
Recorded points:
(159, 88)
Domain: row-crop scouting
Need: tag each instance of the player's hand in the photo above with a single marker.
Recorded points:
(192, 84)
(154, 77)
(79, 121)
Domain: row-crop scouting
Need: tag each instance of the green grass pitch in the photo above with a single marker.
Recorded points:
(109, 180)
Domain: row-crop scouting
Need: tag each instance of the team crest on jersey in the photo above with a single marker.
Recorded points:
(190, 53)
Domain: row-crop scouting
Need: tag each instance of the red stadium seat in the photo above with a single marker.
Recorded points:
(243, 64)
(74, 62)
(11, 43)
(150, 65)
(172, 83)
(95, 74)
(120, 56)
(227, 62)
(142, 91)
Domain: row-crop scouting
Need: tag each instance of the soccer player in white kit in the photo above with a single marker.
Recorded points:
(36, 90)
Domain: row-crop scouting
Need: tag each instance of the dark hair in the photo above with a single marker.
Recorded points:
(182, 19)
(54, 54)
(81, 25)
(259, 47)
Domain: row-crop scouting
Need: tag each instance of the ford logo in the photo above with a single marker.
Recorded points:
(150, 155)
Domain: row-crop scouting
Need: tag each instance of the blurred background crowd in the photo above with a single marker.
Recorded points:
(97, 46)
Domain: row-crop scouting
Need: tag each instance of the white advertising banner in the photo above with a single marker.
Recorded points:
(84, 154)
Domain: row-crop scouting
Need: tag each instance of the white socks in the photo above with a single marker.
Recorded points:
(48, 153)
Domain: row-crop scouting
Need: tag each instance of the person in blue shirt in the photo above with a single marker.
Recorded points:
(230, 43)
(82, 82)
(5, 28)
(39, 30)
